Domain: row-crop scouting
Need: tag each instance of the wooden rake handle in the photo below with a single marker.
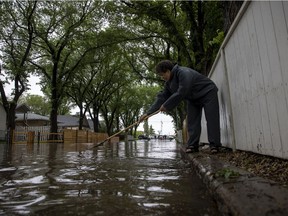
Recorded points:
(130, 126)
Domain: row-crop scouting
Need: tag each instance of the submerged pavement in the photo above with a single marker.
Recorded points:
(133, 178)
(237, 191)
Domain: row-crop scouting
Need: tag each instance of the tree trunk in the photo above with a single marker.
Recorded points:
(11, 125)
(95, 116)
(53, 120)
(231, 9)
(81, 118)
(55, 105)
(10, 107)
(96, 123)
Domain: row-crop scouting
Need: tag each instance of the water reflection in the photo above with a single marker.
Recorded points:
(143, 177)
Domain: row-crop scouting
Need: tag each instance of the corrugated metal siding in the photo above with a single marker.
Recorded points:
(224, 105)
(256, 59)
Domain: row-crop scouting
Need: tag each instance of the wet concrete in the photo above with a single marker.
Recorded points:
(135, 178)
(241, 194)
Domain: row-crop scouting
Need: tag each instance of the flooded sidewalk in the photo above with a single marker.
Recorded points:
(134, 178)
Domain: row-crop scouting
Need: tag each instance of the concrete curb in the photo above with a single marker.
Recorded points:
(241, 194)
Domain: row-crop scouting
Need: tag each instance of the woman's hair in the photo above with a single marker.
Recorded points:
(163, 66)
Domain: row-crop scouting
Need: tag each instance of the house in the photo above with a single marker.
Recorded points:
(22, 108)
(35, 120)
(25, 118)
(71, 122)
(31, 120)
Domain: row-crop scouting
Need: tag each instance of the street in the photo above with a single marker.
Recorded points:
(134, 178)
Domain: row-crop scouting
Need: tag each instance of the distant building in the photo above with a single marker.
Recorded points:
(31, 119)
(24, 118)
(22, 108)
(71, 122)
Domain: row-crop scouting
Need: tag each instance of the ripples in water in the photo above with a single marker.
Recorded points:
(145, 178)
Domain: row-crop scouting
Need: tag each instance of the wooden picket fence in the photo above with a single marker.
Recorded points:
(82, 136)
(31, 135)
(22, 135)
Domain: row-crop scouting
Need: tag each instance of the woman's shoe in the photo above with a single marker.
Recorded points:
(214, 150)
(192, 150)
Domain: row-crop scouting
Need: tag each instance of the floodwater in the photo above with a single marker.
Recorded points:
(132, 178)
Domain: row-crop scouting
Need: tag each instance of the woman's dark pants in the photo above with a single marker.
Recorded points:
(210, 104)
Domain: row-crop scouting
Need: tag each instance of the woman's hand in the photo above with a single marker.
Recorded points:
(163, 109)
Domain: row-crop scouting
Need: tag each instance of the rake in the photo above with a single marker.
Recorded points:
(130, 126)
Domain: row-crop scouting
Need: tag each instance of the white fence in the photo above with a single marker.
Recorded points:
(41, 133)
(251, 71)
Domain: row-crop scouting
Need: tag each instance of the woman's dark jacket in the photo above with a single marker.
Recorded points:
(184, 84)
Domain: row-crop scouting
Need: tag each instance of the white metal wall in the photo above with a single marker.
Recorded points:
(251, 71)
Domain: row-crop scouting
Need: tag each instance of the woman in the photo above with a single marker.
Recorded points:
(183, 83)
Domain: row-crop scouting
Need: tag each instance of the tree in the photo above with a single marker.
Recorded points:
(134, 97)
(37, 104)
(41, 105)
(230, 11)
(97, 54)
(189, 32)
(58, 52)
(146, 127)
(16, 35)
(98, 94)
(112, 99)
(151, 130)
(186, 28)
(79, 89)
(107, 83)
